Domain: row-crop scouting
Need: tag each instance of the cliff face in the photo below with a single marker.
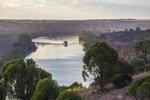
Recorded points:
(124, 41)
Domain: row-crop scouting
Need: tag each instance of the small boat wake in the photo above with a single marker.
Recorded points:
(65, 43)
(61, 41)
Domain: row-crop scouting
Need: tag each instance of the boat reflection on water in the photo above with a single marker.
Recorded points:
(65, 43)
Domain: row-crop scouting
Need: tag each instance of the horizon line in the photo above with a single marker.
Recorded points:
(75, 19)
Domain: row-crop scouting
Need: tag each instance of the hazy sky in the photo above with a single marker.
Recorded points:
(74, 9)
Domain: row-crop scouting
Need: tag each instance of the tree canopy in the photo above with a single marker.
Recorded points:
(46, 89)
(125, 67)
(20, 78)
(100, 61)
(140, 88)
(143, 46)
(21, 47)
(69, 95)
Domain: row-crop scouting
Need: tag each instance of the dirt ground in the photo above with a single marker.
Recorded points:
(92, 93)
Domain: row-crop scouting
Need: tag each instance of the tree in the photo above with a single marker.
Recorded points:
(3, 92)
(100, 61)
(138, 29)
(140, 88)
(21, 47)
(135, 61)
(69, 95)
(46, 89)
(125, 67)
(126, 30)
(122, 80)
(76, 85)
(131, 30)
(143, 46)
(20, 78)
(138, 46)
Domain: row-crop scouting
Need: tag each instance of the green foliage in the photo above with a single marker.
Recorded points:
(21, 47)
(64, 88)
(125, 67)
(20, 77)
(3, 92)
(100, 61)
(143, 46)
(46, 89)
(76, 85)
(88, 37)
(147, 67)
(122, 80)
(69, 95)
(136, 61)
(141, 56)
(140, 88)
(142, 69)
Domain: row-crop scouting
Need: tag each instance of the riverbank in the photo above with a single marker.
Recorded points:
(20, 48)
(9, 29)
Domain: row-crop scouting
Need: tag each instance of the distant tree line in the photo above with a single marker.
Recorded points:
(128, 35)
(20, 49)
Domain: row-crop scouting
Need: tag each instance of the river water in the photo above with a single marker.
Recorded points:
(64, 63)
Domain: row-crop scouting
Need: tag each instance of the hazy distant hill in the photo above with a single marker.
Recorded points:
(68, 26)
(10, 28)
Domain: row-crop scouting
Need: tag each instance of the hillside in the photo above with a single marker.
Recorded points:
(10, 28)
(92, 93)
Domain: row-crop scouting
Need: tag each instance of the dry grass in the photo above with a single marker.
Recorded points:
(93, 93)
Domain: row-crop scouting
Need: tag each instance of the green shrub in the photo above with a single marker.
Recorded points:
(76, 85)
(69, 95)
(141, 56)
(64, 88)
(125, 67)
(140, 88)
(147, 68)
(121, 80)
(142, 69)
(46, 89)
(136, 62)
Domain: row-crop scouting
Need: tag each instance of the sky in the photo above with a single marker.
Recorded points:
(74, 9)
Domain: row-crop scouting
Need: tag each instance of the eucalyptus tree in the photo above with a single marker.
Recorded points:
(100, 61)
(140, 88)
(20, 78)
(46, 89)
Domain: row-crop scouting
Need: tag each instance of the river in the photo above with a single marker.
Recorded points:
(63, 62)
